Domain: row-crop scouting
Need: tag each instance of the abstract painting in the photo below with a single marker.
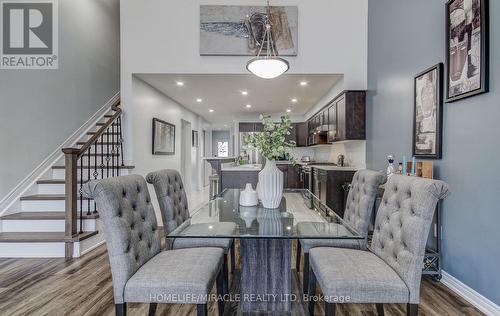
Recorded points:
(466, 48)
(238, 30)
(427, 119)
(163, 138)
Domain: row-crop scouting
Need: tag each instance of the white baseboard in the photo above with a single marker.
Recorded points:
(480, 302)
(48, 162)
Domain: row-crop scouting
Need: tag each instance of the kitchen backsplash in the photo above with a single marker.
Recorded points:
(354, 152)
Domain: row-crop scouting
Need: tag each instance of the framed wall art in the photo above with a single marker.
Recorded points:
(428, 114)
(163, 138)
(467, 48)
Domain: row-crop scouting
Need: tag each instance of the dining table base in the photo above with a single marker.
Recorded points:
(266, 276)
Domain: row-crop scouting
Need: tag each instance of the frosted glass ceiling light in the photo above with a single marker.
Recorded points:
(270, 65)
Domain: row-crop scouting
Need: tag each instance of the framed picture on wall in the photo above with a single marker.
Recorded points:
(163, 138)
(467, 48)
(428, 113)
(195, 138)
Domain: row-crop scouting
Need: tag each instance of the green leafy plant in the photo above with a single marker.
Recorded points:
(272, 141)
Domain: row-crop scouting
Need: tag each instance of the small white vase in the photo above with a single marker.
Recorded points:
(270, 186)
(248, 197)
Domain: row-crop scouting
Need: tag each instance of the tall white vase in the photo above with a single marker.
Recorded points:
(270, 186)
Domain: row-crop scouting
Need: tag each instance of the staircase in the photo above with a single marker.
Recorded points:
(54, 219)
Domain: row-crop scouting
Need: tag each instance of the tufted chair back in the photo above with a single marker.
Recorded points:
(130, 225)
(171, 197)
(360, 200)
(402, 226)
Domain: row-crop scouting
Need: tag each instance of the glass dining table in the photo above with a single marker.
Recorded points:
(265, 238)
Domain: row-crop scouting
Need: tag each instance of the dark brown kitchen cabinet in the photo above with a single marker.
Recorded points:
(301, 133)
(293, 179)
(351, 116)
(293, 134)
(251, 127)
(332, 123)
(335, 192)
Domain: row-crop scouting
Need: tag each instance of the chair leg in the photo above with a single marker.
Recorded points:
(152, 309)
(226, 274)
(220, 291)
(233, 257)
(121, 309)
(329, 309)
(411, 309)
(311, 291)
(299, 253)
(305, 274)
(201, 310)
(380, 309)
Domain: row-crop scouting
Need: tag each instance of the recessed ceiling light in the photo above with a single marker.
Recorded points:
(248, 106)
(179, 83)
(303, 83)
(288, 110)
(199, 100)
(244, 92)
(211, 110)
(294, 100)
(225, 125)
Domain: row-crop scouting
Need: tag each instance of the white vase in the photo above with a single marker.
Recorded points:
(270, 186)
(248, 197)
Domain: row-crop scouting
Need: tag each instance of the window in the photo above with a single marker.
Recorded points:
(222, 148)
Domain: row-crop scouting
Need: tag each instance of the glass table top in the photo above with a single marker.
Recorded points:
(300, 215)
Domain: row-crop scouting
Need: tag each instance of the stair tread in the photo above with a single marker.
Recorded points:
(86, 167)
(99, 143)
(55, 181)
(51, 215)
(43, 236)
(110, 133)
(102, 124)
(45, 197)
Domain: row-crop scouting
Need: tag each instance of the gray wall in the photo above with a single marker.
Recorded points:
(406, 37)
(39, 109)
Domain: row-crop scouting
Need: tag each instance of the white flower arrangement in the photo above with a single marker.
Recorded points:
(272, 141)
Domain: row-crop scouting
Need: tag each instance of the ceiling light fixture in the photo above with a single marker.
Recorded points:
(199, 100)
(248, 106)
(180, 83)
(288, 110)
(294, 100)
(211, 110)
(244, 92)
(270, 65)
(303, 83)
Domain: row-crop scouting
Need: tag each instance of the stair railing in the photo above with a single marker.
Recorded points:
(101, 156)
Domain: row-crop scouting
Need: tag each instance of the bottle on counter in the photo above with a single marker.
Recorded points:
(390, 167)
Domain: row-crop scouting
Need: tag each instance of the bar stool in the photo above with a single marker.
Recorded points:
(214, 186)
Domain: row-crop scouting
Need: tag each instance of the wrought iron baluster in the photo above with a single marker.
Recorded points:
(81, 193)
(120, 139)
(95, 173)
(88, 175)
(107, 153)
(102, 157)
(113, 148)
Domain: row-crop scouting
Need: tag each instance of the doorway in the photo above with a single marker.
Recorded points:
(186, 158)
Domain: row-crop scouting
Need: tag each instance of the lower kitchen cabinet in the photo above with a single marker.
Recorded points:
(328, 187)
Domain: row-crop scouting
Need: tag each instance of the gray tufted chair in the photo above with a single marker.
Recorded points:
(174, 211)
(392, 271)
(141, 273)
(358, 212)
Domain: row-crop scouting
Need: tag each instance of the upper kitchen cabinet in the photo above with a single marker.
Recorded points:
(351, 115)
(301, 133)
(251, 127)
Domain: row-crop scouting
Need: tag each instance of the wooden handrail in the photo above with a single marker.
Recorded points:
(72, 156)
(118, 111)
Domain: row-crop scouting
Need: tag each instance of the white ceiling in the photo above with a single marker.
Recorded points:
(222, 93)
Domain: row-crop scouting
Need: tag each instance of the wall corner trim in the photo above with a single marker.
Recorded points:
(20, 189)
(470, 295)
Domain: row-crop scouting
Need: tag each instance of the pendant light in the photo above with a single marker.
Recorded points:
(270, 65)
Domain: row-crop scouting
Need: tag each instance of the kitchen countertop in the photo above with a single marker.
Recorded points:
(218, 158)
(254, 167)
(335, 168)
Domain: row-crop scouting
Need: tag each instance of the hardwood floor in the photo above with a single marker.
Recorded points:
(83, 287)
